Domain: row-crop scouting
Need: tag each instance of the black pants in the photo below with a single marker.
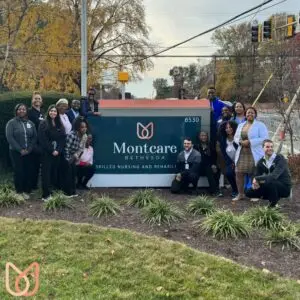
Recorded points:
(22, 165)
(84, 174)
(187, 178)
(230, 175)
(50, 169)
(36, 165)
(212, 178)
(271, 191)
(69, 187)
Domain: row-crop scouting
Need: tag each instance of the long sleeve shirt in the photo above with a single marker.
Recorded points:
(277, 171)
(74, 146)
(51, 138)
(21, 134)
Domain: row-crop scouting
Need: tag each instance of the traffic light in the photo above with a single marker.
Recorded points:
(291, 28)
(255, 33)
(268, 29)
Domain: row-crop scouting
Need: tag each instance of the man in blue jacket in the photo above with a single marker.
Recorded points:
(216, 112)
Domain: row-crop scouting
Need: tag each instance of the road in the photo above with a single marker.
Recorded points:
(272, 120)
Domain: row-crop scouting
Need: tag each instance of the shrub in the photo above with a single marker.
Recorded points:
(142, 198)
(162, 212)
(265, 217)
(8, 197)
(103, 206)
(8, 101)
(201, 205)
(294, 166)
(58, 201)
(286, 235)
(223, 224)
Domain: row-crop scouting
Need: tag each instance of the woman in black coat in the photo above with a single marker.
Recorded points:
(228, 148)
(208, 167)
(52, 138)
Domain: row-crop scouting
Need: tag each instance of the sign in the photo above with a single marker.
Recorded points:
(140, 145)
(123, 76)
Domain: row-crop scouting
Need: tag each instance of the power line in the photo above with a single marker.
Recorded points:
(108, 56)
(203, 33)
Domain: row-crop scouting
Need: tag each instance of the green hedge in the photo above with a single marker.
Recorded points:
(8, 101)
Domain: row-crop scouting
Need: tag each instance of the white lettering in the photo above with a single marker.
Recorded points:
(143, 149)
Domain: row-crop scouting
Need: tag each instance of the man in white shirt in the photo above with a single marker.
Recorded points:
(188, 165)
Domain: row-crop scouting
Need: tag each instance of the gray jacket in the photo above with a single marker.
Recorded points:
(193, 160)
(21, 134)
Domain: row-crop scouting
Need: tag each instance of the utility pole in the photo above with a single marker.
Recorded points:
(84, 57)
(215, 70)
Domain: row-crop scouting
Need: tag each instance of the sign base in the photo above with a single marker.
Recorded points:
(138, 180)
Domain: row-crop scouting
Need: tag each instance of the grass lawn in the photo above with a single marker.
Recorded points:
(89, 262)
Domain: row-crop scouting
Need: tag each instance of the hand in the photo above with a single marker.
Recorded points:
(255, 184)
(178, 177)
(214, 168)
(245, 143)
(55, 153)
(24, 152)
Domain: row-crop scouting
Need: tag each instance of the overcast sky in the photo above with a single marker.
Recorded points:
(172, 21)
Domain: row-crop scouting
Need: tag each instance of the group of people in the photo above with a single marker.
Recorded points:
(240, 149)
(57, 143)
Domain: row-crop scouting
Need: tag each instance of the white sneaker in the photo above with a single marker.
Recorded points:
(47, 198)
(25, 196)
(254, 199)
(72, 196)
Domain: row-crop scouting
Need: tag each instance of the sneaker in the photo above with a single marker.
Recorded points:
(72, 196)
(220, 194)
(26, 196)
(46, 198)
(254, 199)
(238, 197)
(234, 194)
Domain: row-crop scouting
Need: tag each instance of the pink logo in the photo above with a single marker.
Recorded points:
(23, 276)
(144, 132)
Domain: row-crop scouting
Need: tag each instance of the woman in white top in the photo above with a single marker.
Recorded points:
(249, 136)
(62, 106)
(228, 148)
(85, 166)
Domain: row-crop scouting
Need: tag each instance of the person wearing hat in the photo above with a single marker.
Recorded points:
(62, 106)
(21, 136)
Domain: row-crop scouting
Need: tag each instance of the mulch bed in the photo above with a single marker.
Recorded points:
(250, 252)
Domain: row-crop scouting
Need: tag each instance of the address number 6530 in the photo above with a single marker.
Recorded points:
(192, 120)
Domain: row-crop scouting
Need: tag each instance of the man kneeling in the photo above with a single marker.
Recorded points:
(273, 179)
(188, 164)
